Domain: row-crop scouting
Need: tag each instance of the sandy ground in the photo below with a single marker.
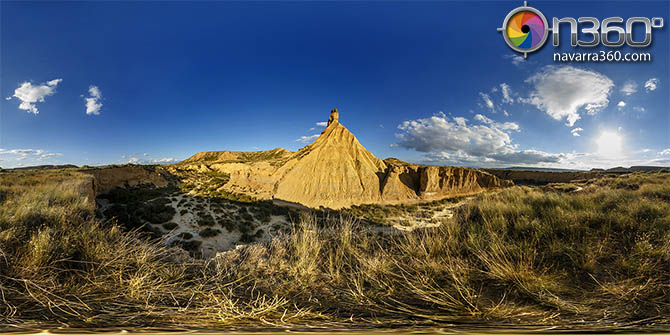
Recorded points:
(187, 219)
(190, 210)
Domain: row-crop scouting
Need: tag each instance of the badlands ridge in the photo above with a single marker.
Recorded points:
(336, 171)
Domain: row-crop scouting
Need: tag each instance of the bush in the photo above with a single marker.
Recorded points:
(206, 220)
(185, 236)
(209, 232)
(170, 226)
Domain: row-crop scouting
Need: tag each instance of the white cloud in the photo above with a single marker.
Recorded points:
(639, 109)
(651, 84)
(621, 104)
(93, 103)
(322, 124)
(166, 160)
(487, 101)
(453, 140)
(629, 88)
(49, 155)
(516, 59)
(30, 94)
(305, 139)
(575, 131)
(562, 92)
(665, 152)
(136, 159)
(21, 152)
(507, 93)
(504, 125)
(19, 155)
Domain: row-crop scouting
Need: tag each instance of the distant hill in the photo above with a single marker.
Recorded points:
(642, 168)
(638, 168)
(44, 167)
(526, 168)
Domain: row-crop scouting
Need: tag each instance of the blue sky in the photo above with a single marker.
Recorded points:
(427, 82)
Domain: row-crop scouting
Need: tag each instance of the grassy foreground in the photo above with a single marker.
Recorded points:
(594, 258)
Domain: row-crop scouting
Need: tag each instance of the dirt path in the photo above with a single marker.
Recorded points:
(419, 220)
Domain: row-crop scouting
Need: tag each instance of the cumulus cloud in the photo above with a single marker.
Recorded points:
(562, 92)
(516, 59)
(93, 103)
(621, 104)
(651, 84)
(665, 152)
(575, 131)
(507, 93)
(453, 140)
(310, 138)
(136, 159)
(10, 155)
(30, 94)
(487, 101)
(166, 160)
(22, 152)
(629, 88)
(49, 155)
(504, 125)
(322, 124)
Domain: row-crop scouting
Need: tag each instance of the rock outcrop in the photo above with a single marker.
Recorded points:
(86, 188)
(406, 181)
(337, 171)
(108, 178)
(334, 117)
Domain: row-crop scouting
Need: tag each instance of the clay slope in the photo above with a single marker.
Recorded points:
(334, 171)
(249, 173)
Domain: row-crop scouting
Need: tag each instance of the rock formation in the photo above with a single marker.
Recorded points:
(337, 171)
(334, 117)
(108, 178)
(334, 171)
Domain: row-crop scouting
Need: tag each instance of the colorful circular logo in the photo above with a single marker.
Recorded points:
(525, 29)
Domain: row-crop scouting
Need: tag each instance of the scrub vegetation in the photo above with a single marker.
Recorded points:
(593, 258)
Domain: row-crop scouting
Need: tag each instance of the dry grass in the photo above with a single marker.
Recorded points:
(524, 255)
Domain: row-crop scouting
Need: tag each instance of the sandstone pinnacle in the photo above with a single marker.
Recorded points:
(334, 116)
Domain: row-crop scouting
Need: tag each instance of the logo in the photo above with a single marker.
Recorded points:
(525, 29)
